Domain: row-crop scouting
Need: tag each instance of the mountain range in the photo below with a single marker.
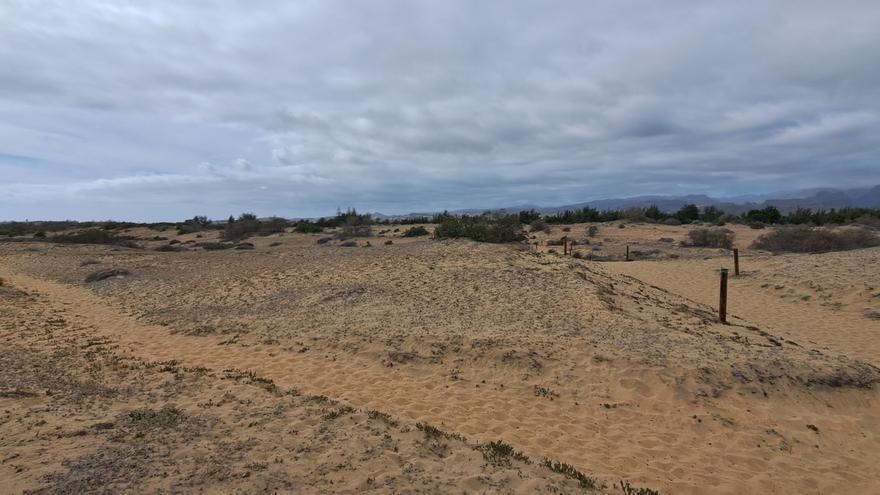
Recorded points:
(785, 201)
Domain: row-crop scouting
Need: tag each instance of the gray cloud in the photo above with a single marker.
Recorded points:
(168, 109)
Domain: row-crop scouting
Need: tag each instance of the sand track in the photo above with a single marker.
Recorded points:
(647, 435)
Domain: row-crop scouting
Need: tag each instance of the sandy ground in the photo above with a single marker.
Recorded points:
(618, 369)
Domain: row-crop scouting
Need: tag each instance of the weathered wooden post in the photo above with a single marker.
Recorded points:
(627, 252)
(736, 261)
(722, 303)
(564, 245)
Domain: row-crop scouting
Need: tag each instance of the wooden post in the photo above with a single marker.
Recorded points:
(564, 245)
(736, 261)
(627, 252)
(722, 302)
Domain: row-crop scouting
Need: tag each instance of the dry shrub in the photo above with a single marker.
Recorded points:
(169, 248)
(352, 230)
(93, 236)
(416, 231)
(540, 225)
(715, 237)
(103, 274)
(214, 246)
(803, 239)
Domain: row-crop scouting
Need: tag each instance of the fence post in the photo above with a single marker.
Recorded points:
(736, 261)
(627, 252)
(722, 302)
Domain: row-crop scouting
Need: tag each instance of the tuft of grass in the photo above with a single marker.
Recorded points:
(569, 471)
(628, 489)
(379, 415)
(545, 392)
(339, 411)
(500, 453)
(434, 433)
(252, 378)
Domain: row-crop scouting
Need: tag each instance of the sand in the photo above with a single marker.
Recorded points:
(618, 369)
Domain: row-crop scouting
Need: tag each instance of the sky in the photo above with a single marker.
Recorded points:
(162, 110)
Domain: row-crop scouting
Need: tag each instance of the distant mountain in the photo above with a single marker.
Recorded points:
(786, 201)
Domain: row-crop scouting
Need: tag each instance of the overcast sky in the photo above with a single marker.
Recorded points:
(163, 110)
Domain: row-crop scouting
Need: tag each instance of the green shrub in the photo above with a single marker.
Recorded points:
(197, 223)
(715, 237)
(308, 228)
(481, 229)
(417, 231)
(248, 225)
(803, 239)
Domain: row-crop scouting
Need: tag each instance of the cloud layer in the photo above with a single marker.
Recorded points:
(163, 110)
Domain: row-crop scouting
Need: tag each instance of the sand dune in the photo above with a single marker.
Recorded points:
(618, 369)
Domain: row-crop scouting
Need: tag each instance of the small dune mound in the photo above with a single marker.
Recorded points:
(105, 274)
(9, 292)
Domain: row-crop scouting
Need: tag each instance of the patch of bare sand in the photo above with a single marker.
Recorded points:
(78, 414)
(825, 301)
(555, 356)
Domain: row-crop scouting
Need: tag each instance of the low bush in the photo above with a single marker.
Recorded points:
(539, 226)
(803, 239)
(214, 246)
(249, 225)
(715, 237)
(592, 231)
(197, 223)
(104, 274)
(481, 229)
(354, 230)
(90, 236)
(417, 231)
(307, 228)
(168, 248)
